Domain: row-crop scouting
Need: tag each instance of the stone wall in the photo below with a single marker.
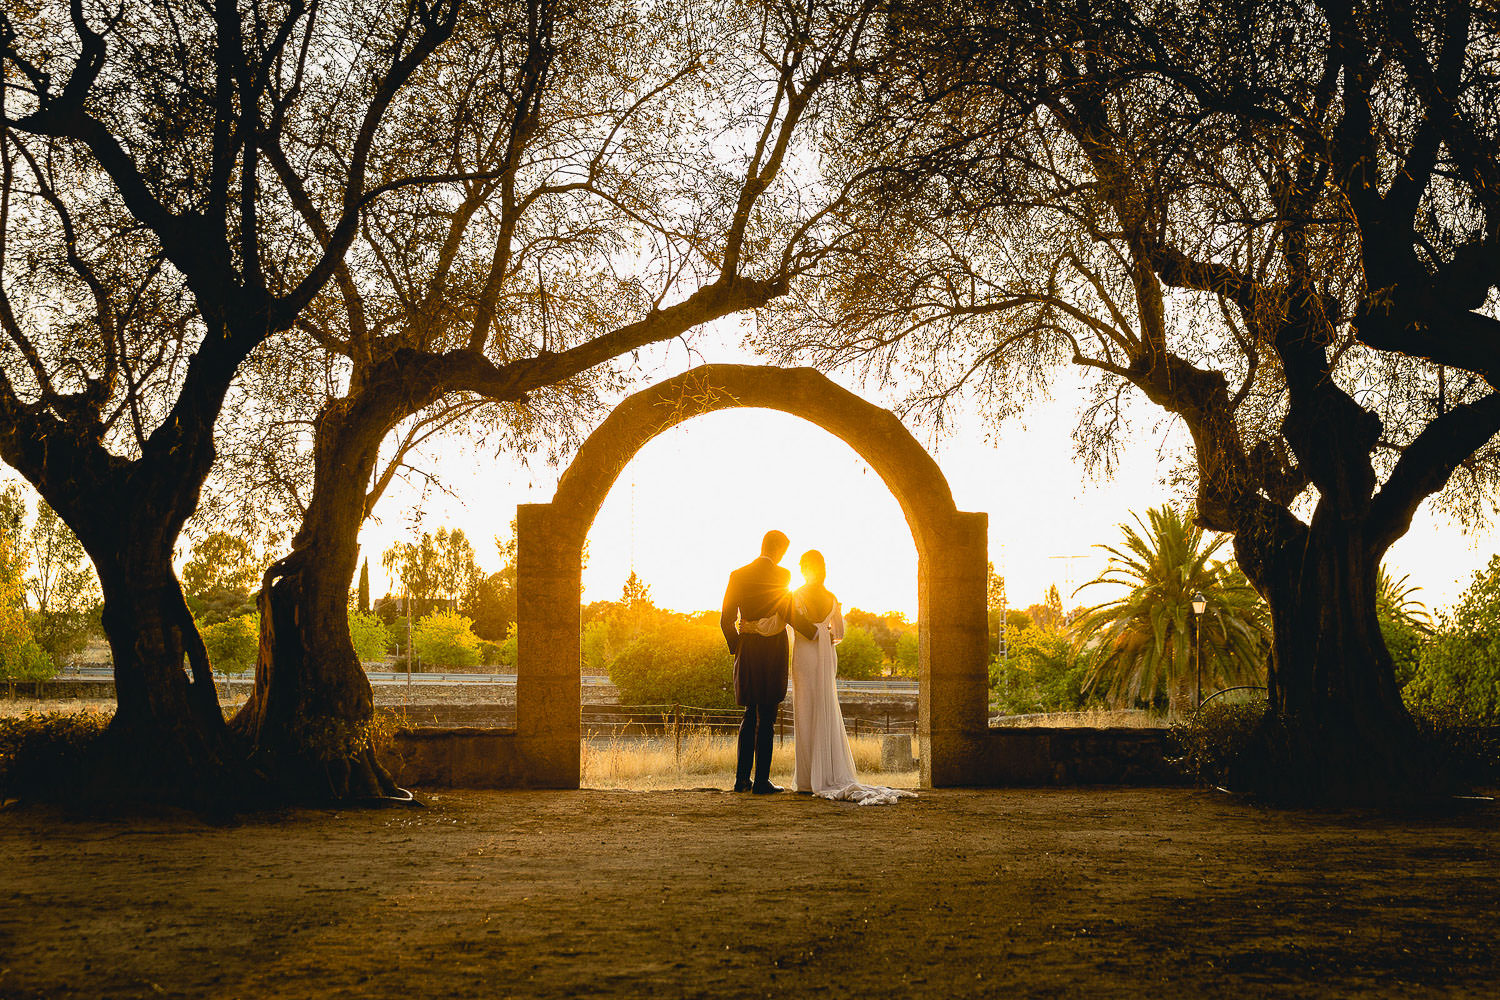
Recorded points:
(496, 758)
(469, 757)
(63, 689)
(1076, 756)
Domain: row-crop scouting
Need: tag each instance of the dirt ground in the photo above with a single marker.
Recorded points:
(1019, 893)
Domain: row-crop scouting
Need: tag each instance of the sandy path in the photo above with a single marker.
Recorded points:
(997, 893)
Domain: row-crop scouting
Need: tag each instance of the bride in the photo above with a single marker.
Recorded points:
(825, 765)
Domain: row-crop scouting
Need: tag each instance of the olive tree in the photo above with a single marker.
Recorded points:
(1276, 221)
(631, 172)
(149, 244)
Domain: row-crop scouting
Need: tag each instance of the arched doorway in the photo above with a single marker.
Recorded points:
(951, 546)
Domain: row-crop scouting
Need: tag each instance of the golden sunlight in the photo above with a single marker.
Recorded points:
(694, 503)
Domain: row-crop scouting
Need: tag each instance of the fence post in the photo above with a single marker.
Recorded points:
(780, 725)
(677, 732)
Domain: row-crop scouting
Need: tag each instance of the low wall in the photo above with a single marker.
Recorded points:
(473, 757)
(1009, 756)
(65, 688)
(441, 715)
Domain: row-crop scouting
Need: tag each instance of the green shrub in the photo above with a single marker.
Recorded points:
(1405, 644)
(906, 655)
(44, 756)
(1210, 742)
(607, 636)
(63, 634)
(860, 657)
(500, 654)
(1457, 673)
(370, 636)
(219, 606)
(1463, 745)
(446, 639)
(1039, 674)
(679, 663)
(232, 644)
(598, 648)
(26, 663)
(36, 666)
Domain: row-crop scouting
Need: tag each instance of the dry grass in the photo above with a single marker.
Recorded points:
(706, 758)
(1093, 718)
(12, 708)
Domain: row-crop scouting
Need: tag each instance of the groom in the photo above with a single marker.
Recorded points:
(757, 609)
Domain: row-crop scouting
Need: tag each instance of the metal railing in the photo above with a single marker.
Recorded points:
(1223, 691)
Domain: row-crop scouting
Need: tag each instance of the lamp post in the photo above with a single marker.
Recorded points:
(1200, 604)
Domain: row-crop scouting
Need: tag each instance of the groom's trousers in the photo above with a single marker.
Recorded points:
(756, 730)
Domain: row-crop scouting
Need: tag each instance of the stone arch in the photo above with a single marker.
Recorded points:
(951, 546)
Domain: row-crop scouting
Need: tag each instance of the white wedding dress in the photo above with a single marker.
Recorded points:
(824, 762)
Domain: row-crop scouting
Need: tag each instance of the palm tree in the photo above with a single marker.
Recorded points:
(1394, 602)
(1142, 644)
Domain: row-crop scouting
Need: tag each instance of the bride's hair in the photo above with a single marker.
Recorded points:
(813, 566)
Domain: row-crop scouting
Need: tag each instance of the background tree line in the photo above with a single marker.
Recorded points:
(49, 596)
(1138, 650)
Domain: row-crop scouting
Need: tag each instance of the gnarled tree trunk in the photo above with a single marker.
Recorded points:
(1338, 730)
(308, 721)
(168, 736)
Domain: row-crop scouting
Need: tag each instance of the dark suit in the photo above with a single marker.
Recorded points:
(758, 591)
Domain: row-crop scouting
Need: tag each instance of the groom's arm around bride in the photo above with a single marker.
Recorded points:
(755, 595)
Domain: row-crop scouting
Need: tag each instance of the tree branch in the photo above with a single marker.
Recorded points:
(1426, 464)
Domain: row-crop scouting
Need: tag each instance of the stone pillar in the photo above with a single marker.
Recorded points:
(549, 658)
(953, 652)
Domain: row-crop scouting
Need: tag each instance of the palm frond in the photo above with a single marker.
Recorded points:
(1139, 645)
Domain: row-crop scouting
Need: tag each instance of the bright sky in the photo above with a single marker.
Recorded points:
(684, 513)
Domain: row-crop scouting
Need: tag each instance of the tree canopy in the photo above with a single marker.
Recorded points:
(221, 562)
(150, 160)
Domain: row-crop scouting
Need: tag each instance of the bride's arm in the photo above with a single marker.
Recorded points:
(836, 627)
(728, 615)
(798, 619)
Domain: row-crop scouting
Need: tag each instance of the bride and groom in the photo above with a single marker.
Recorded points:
(758, 609)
